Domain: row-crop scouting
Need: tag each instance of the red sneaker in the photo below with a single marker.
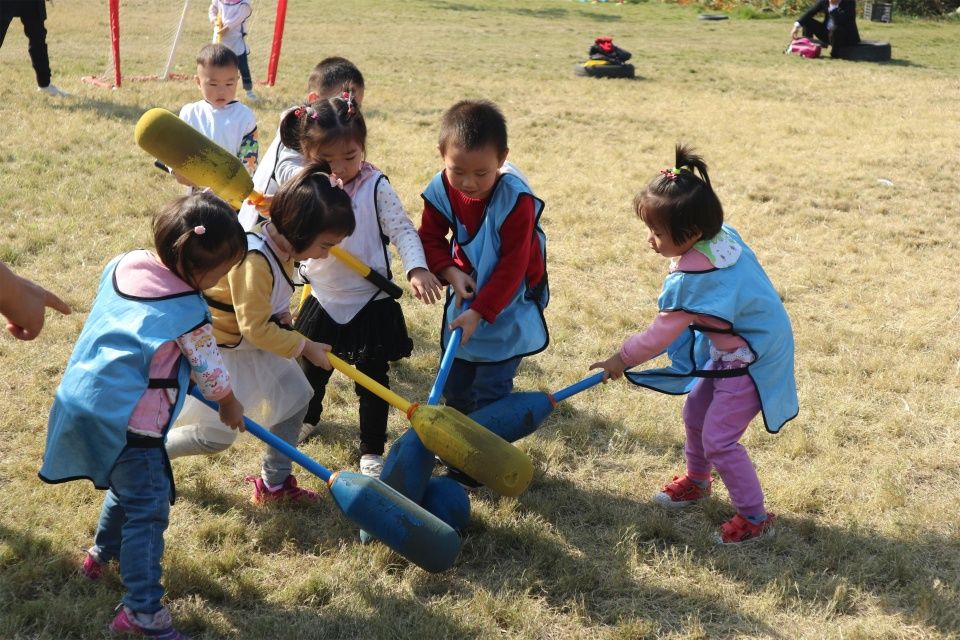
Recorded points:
(680, 493)
(289, 492)
(739, 530)
(159, 626)
(91, 568)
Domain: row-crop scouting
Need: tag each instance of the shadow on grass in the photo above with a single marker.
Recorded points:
(824, 567)
(581, 563)
(820, 568)
(104, 108)
(901, 63)
(44, 597)
(600, 17)
(551, 13)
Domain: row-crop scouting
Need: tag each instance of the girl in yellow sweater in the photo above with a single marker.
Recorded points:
(251, 323)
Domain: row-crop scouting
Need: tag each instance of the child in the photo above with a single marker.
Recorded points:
(149, 329)
(721, 321)
(229, 18)
(23, 302)
(251, 322)
(363, 325)
(496, 257)
(229, 123)
(330, 78)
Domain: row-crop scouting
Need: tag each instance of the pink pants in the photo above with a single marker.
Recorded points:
(716, 414)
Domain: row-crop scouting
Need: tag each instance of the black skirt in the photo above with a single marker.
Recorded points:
(378, 331)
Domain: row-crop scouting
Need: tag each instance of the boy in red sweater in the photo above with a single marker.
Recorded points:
(495, 258)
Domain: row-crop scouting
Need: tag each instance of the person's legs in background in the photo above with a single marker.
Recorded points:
(246, 78)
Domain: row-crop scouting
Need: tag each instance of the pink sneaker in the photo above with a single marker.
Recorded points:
(680, 493)
(738, 530)
(289, 492)
(91, 568)
(160, 626)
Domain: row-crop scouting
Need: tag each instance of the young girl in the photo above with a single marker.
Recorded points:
(251, 322)
(362, 324)
(728, 336)
(148, 331)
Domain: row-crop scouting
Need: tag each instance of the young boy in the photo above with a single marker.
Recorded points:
(330, 78)
(219, 116)
(229, 19)
(495, 259)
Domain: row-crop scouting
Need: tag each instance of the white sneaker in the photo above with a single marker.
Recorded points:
(53, 90)
(307, 431)
(371, 465)
(251, 96)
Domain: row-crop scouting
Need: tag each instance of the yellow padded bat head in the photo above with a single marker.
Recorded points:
(193, 155)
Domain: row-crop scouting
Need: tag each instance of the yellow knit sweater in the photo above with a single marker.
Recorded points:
(247, 289)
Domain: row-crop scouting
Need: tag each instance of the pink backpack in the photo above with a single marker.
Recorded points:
(804, 47)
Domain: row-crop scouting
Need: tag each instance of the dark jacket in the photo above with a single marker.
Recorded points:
(844, 31)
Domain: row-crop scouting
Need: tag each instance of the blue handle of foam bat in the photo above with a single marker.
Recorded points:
(280, 445)
(577, 387)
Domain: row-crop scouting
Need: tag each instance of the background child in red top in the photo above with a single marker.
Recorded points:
(495, 257)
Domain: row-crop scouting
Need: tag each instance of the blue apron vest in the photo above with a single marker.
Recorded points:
(107, 375)
(520, 329)
(743, 296)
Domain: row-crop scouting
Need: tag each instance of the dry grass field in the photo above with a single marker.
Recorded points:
(840, 175)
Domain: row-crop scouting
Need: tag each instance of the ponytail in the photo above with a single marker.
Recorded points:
(310, 127)
(681, 199)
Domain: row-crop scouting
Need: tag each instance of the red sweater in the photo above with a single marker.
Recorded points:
(520, 254)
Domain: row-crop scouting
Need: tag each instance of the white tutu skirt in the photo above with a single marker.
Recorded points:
(269, 387)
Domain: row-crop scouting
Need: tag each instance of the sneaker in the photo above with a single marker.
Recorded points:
(53, 90)
(251, 96)
(307, 431)
(681, 493)
(91, 568)
(739, 530)
(289, 492)
(158, 626)
(371, 465)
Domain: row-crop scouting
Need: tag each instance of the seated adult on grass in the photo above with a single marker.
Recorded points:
(839, 28)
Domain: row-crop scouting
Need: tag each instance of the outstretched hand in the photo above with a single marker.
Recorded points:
(425, 286)
(612, 367)
(24, 303)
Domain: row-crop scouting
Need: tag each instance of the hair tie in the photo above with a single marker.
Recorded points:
(335, 181)
(199, 229)
(351, 104)
(671, 174)
(305, 110)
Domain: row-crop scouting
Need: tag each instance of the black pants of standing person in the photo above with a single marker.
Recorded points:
(32, 14)
(373, 410)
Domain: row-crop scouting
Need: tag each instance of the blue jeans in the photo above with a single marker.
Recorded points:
(135, 514)
(474, 385)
